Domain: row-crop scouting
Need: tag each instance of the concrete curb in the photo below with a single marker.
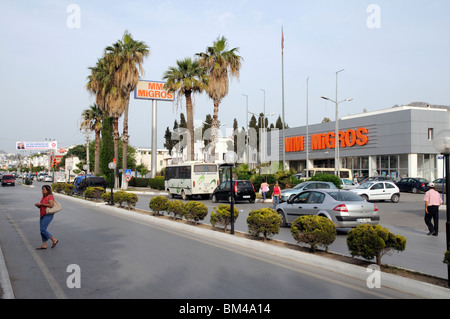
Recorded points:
(5, 283)
(415, 288)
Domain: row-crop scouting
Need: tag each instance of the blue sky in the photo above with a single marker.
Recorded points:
(44, 63)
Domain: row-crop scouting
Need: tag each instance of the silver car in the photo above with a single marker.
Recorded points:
(287, 193)
(344, 208)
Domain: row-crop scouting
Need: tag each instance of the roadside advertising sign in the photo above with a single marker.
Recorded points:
(47, 145)
(152, 90)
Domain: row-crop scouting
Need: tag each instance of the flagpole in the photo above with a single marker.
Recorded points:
(282, 99)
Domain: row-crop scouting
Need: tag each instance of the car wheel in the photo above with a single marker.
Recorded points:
(214, 199)
(395, 198)
(365, 197)
(283, 218)
(415, 190)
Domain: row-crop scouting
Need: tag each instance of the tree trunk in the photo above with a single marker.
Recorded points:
(215, 129)
(97, 153)
(190, 126)
(116, 150)
(125, 138)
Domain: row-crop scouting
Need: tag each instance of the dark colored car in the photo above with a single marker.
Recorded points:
(8, 180)
(413, 184)
(81, 183)
(243, 190)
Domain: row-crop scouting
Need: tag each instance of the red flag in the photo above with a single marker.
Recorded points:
(282, 38)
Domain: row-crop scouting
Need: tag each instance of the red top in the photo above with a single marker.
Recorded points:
(276, 191)
(45, 200)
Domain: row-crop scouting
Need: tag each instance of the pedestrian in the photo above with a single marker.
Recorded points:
(264, 190)
(276, 195)
(432, 201)
(47, 201)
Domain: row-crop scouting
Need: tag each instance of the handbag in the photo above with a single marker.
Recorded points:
(56, 208)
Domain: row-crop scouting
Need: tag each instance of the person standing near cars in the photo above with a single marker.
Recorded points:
(264, 190)
(47, 201)
(276, 194)
(432, 201)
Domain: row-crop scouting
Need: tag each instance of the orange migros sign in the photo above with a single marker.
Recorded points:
(324, 141)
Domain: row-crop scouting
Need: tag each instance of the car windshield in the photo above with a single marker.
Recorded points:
(346, 197)
(365, 185)
(299, 186)
(244, 183)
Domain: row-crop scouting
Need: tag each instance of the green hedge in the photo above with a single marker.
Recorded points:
(264, 221)
(222, 216)
(314, 230)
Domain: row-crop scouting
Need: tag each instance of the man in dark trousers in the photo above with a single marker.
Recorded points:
(432, 201)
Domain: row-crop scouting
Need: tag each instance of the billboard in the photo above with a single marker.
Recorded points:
(152, 90)
(47, 145)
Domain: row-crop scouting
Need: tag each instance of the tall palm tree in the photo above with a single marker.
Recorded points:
(108, 98)
(93, 119)
(186, 78)
(126, 58)
(220, 64)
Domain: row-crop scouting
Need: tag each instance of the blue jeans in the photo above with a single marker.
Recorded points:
(276, 201)
(44, 222)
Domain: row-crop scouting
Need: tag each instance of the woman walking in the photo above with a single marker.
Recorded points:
(276, 195)
(47, 201)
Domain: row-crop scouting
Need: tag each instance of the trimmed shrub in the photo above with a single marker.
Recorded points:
(120, 197)
(195, 211)
(222, 216)
(314, 230)
(158, 204)
(447, 257)
(369, 241)
(91, 192)
(264, 221)
(68, 188)
(156, 183)
(131, 200)
(176, 207)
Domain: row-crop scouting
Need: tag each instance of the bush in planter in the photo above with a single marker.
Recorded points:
(158, 204)
(176, 207)
(68, 188)
(131, 200)
(314, 230)
(195, 211)
(447, 257)
(222, 216)
(120, 197)
(264, 221)
(369, 241)
(91, 192)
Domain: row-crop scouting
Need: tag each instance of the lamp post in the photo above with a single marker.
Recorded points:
(336, 134)
(246, 121)
(112, 166)
(442, 144)
(230, 160)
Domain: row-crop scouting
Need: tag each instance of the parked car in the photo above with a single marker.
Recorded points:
(8, 180)
(48, 178)
(41, 176)
(347, 184)
(376, 178)
(243, 190)
(413, 184)
(378, 191)
(438, 184)
(287, 193)
(344, 208)
(82, 182)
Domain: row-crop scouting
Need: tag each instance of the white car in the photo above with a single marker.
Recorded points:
(378, 190)
(48, 179)
(347, 184)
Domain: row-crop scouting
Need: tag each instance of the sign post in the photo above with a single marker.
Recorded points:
(154, 91)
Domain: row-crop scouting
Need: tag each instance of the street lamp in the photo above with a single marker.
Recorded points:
(112, 166)
(230, 160)
(336, 135)
(442, 144)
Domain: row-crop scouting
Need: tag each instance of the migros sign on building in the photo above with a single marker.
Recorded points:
(323, 141)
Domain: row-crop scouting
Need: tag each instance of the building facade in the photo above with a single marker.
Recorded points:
(397, 142)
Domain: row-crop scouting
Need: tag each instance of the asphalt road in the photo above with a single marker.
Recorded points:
(423, 253)
(115, 255)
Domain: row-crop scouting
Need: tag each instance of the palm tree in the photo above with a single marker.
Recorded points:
(108, 98)
(126, 58)
(220, 63)
(93, 119)
(186, 78)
